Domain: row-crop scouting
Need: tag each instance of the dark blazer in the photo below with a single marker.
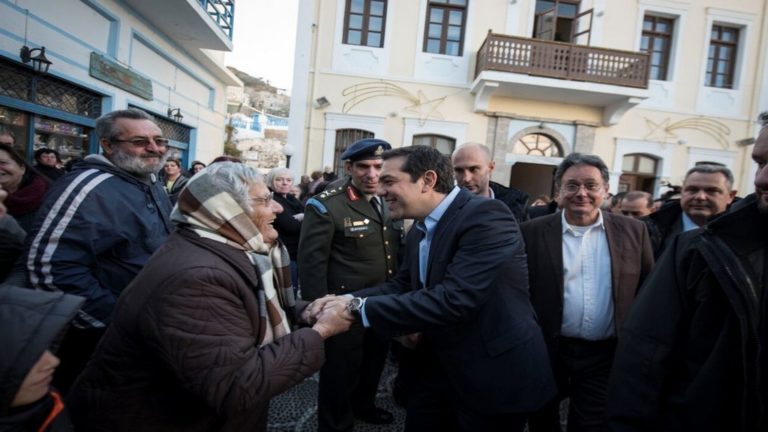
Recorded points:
(475, 313)
(631, 261)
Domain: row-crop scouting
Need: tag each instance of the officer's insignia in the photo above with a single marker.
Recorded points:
(348, 222)
(357, 223)
(352, 194)
(379, 151)
(366, 221)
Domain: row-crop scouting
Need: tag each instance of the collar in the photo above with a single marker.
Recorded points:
(570, 228)
(491, 192)
(430, 222)
(688, 223)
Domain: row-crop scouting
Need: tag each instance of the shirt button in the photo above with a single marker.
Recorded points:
(385, 228)
(390, 271)
(361, 236)
(389, 256)
(386, 242)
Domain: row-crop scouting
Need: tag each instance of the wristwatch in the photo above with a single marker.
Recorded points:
(353, 307)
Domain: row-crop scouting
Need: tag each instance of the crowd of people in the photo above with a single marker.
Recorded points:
(137, 295)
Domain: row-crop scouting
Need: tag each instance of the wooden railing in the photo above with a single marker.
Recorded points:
(562, 60)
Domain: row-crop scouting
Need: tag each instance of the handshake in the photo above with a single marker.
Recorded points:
(328, 315)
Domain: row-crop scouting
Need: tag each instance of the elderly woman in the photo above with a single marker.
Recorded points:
(201, 339)
(287, 223)
(24, 185)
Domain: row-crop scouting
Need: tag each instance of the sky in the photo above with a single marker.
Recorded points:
(264, 39)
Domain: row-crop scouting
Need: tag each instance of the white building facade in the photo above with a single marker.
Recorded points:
(652, 86)
(164, 57)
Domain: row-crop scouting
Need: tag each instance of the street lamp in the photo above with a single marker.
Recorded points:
(288, 152)
(175, 113)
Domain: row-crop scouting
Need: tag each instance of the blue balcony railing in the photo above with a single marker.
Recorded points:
(222, 12)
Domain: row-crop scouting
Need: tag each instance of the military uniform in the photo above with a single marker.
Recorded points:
(346, 245)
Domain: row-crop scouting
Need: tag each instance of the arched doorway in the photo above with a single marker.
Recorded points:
(534, 172)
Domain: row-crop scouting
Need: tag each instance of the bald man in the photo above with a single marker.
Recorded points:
(472, 167)
(637, 204)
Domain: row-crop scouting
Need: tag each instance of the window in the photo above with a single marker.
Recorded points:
(537, 144)
(444, 145)
(444, 33)
(345, 137)
(364, 22)
(721, 61)
(560, 20)
(638, 172)
(657, 41)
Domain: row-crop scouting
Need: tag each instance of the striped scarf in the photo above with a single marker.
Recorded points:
(215, 215)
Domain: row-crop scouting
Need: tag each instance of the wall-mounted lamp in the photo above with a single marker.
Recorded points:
(40, 63)
(175, 114)
(322, 102)
(542, 125)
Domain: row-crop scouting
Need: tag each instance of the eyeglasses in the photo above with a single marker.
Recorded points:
(144, 141)
(573, 188)
(267, 199)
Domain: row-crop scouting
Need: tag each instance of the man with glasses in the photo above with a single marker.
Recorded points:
(98, 226)
(584, 268)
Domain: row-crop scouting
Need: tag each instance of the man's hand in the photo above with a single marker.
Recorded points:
(310, 313)
(333, 319)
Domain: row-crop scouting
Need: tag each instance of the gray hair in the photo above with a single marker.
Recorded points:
(763, 119)
(235, 179)
(574, 159)
(274, 173)
(105, 125)
(712, 169)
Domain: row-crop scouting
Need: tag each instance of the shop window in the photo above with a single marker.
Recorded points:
(15, 124)
(445, 26)
(19, 82)
(443, 144)
(364, 22)
(345, 137)
(69, 140)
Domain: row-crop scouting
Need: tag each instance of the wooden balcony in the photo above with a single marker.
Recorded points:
(549, 59)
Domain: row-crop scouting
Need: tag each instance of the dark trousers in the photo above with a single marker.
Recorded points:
(75, 350)
(581, 369)
(432, 404)
(349, 378)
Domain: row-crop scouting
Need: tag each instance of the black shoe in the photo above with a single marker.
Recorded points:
(377, 416)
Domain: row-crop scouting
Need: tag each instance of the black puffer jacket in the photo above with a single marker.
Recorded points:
(692, 355)
(30, 321)
(516, 200)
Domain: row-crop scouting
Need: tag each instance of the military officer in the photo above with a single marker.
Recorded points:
(349, 242)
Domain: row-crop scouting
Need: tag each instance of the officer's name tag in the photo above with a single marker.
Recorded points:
(359, 229)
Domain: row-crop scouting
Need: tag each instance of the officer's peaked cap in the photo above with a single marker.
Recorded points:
(368, 148)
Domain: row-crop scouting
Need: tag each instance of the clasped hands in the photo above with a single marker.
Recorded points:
(328, 315)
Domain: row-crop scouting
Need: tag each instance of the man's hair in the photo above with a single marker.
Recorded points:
(712, 169)
(616, 199)
(235, 179)
(106, 125)
(471, 145)
(636, 195)
(762, 118)
(45, 150)
(420, 159)
(580, 159)
(177, 161)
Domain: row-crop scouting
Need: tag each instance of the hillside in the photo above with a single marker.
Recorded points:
(252, 83)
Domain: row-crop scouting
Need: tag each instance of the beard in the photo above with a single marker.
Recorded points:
(139, 165)
(762, 203)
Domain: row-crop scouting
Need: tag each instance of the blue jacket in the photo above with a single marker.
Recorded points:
(97, 227)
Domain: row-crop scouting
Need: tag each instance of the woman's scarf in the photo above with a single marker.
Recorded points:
(215, 215)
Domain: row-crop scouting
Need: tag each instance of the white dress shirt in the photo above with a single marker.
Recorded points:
(587, 293)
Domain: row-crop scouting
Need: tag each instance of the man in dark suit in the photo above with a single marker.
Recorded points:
(348, 242)
(481, 361)
(584, 267)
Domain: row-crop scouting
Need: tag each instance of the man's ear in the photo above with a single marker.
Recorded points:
(492, 165)
(104, 143)
(430, 180)
(733, 194)
(347, 166)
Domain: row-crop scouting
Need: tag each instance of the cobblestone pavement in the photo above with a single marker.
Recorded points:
(296, 409)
